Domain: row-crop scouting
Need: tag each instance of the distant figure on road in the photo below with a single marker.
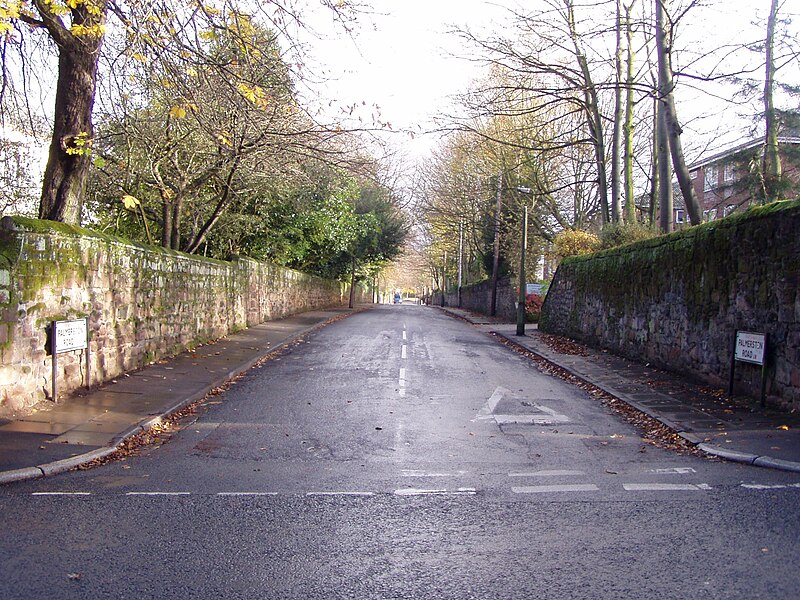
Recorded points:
(397, 298)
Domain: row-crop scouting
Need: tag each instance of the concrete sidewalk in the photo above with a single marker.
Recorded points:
(736, 429)
(93, 425)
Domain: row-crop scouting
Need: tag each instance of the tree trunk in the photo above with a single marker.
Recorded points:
(594, 119)
(666, 87)
(353, 283)
(69, 158)
(175, 234)
(654, 169)
(772, 160)
(630, 199)
(619, 115)
(664, 172)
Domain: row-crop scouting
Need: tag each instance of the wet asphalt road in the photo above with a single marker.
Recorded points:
(401, 453)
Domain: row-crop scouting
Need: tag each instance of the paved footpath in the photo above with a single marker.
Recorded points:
(93, 425)
(734, 429)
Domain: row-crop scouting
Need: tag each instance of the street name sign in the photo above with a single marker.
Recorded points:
(70, 335)
(67, 336)
(750, 347)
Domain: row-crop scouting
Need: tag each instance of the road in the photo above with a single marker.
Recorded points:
(401, 453)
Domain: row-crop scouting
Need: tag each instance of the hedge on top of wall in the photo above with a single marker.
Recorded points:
(676, 301)
(142, 302)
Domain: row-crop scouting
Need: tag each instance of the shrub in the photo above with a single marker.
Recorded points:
(620, 234)
(573, 242)
(533, 307)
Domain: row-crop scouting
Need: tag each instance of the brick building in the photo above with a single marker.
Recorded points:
(729, 180)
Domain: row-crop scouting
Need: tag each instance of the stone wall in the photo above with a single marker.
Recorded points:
(478, 298)
(142, 302)
(677, 300)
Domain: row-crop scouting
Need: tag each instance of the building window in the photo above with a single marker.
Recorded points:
(729, 209)
(710, 215)
(711, 177)
(729, 172)
(679, 218)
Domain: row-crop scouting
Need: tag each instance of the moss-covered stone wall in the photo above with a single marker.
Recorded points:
(143, 303)
(477, 297)
(676, 301)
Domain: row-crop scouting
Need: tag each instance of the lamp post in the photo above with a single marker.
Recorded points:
(523, 286)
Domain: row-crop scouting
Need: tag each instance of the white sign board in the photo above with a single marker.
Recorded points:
(750, 347)
(70, 335)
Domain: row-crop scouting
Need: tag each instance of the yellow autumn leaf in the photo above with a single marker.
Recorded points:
(177, 112)
(784, 427)
(130, 202)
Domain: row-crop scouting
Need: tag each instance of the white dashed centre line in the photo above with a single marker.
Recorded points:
(403, 352)
(61, 494)
(360, 494)
(765, 486)
(664, 487)
(419, 492)
(247, 494)
(543, 489)
(548, 473)
(159, 494)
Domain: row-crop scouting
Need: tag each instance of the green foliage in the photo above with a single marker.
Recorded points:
(620, 234)
(574, 242)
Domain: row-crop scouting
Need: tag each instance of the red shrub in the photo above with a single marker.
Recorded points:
(533, 306)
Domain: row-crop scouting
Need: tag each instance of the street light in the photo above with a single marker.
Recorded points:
(523, 286)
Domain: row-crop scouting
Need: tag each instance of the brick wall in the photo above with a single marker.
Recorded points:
(676, 301)
(142, 302)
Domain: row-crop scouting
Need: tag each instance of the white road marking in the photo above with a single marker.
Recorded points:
(340, 493)
(664, 487)
(539, 489)
(673, 471)
(61, 494)
(487, 413)
(764, 486)
(550, 473)
(247, 493)
(420, 492)
(404, 335)
(531, 419)
(158, 494)
(416, 473)
(403, 352)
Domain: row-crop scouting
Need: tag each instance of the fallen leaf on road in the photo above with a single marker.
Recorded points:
(784, 427)
(73, 576)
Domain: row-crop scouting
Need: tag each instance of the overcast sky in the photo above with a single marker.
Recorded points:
(403, 59)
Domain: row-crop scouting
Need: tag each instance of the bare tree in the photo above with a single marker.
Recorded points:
(666, 89)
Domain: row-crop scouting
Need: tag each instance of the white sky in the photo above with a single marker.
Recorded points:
(402, 59)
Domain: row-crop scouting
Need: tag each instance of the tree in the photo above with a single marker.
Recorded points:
(78, 29)
(549, 60)
(666, 88)
(771, 168)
